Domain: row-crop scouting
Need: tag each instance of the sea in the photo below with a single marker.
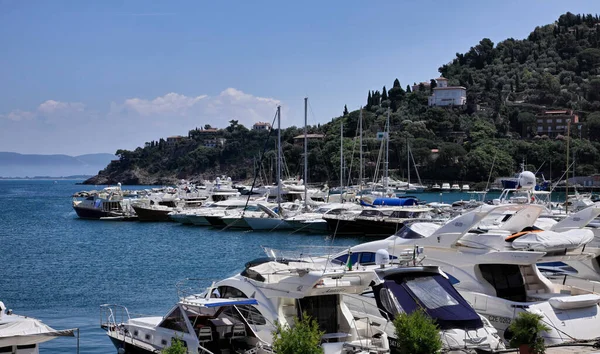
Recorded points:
(60, 269)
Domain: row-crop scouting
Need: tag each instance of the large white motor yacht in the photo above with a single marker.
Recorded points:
(238, 314)
(492, 262)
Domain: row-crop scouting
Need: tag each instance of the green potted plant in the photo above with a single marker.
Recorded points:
(417, 333)
(177, 347)
(303, 338)
(526, 332)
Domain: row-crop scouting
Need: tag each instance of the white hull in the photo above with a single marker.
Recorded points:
(267, 224)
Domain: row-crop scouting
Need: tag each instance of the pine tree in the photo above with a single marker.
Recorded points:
(384, 95)
(408, 90)
(345, 110)
(369, 100)
(396, 83)
(432, 85)
(517, 83)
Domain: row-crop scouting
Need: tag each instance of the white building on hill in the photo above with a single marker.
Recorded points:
(444, 95)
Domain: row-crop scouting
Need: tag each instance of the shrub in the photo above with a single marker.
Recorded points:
(303, 338)
(526, 329)
(176, 347)
(417, 333)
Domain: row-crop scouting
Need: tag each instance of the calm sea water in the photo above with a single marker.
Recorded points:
(59, 268)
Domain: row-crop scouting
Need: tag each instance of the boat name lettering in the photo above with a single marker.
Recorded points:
(499, 319)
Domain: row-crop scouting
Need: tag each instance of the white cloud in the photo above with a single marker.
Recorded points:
(72, 128)
(47, 109)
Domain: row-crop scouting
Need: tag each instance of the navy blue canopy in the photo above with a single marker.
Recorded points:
(392, 202)
(433, 293)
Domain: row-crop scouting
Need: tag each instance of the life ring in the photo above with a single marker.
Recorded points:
(519, 234)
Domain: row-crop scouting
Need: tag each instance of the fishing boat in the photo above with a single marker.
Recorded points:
(109, 204)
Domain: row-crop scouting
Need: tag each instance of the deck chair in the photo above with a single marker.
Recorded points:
(205, 335)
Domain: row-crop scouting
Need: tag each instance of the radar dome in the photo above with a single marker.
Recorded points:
(527, 180)
(382, 257)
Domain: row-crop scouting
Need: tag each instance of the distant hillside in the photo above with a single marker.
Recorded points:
(13, 164)
(509, 87)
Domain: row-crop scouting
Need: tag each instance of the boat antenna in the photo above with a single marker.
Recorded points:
(305, 153)
(360, 142)
(279, 160)
(567, 172)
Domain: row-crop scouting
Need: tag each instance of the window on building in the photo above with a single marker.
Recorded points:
(559, 120)
(540, 128)
(549, 121)
(540, 121)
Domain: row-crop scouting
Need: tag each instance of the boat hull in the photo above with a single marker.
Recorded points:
(215, 221)
(363, 227)
(128, 347)
(236, 223)
(146, 214)
(267, 224)
(89, 213)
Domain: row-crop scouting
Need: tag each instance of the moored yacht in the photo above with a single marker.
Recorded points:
(490, 255)
(445, 187)
(238, 314)
(108, 204)
(455, 188)
(22, 334)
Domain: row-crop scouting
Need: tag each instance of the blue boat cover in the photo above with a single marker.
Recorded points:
(435, 295)
(393, 202)
(219, 303)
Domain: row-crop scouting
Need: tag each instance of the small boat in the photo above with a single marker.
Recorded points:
(455, 188)
(445, 187)
(22, 334)
(108, 204)
(466, 188)
(436, 188)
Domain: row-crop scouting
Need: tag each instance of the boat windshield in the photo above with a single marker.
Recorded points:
(432, 293)
(407, 233)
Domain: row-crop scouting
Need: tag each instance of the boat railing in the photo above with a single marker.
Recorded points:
(113, 318)
(192, 286)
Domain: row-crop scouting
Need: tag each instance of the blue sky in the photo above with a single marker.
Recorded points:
(94, 76)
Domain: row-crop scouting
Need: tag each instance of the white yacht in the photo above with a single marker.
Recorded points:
(400, 289)
(455, 188)
(312, 221)
(445, 187)
(22, 334)
(109, 204)
(238, 314)
(492, 262)
(465, 188)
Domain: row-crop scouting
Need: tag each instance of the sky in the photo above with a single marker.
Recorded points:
(81, 77)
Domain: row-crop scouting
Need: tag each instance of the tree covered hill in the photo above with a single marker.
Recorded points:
(508, 84)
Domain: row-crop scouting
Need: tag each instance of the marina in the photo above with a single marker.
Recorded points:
(108, 262)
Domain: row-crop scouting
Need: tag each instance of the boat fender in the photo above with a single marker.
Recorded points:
(574, 302)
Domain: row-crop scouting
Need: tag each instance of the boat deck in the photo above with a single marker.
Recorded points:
(575, 349)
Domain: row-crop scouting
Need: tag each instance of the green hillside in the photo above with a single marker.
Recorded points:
(508, 84)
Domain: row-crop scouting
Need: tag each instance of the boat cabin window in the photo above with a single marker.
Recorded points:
(364, 258)
(431, 294)
(406, 214)
(175, 321)
(335, 211)
(227, 292)
(506, 280)
(323, 309)
(407, 233)
(246, 312)
(390, 302)
(371, 213)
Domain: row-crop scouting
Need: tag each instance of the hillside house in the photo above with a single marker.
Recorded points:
(444, 95)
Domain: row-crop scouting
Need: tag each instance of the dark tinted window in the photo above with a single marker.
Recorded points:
(227, 292)
(367, 257)
(406, 233)
(506, 279)
(175, 321)
(248, 312)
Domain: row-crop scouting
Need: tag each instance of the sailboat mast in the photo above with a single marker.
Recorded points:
(341, 155)
(387, 150)
(360, 171)
(305, 151)
(279, 160)
(408, 163)
(567, 174)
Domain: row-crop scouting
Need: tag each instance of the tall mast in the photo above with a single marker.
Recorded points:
(408, 163)
(341, 157)
(567, 174)
(305, 152)
(387, 150)
(279, 160)
(360, 164)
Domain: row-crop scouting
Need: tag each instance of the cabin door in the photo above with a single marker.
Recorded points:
(323, 309)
